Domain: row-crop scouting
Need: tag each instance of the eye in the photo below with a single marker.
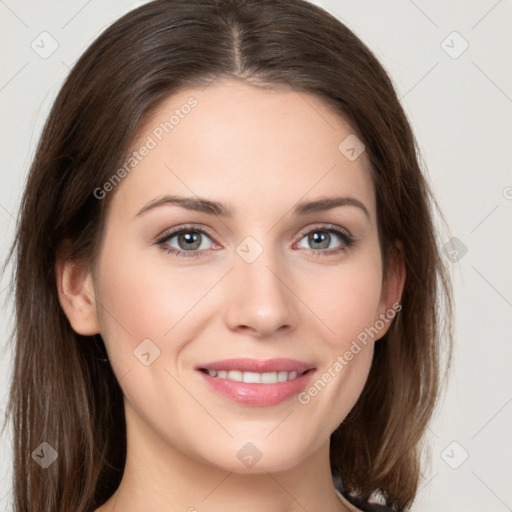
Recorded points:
(326, 239)
(186, 241)
(190, 241)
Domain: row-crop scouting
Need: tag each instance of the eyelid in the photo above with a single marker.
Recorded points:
(326, 227)
(345, 236)
(168, 233)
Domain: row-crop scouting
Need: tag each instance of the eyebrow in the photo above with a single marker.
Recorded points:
(199, 204)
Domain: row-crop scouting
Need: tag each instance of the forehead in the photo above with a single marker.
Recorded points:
(244, 146)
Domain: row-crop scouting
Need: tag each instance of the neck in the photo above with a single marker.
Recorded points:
(158, 477)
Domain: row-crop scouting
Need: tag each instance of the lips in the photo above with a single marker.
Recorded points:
(259, 366)
(257, 382)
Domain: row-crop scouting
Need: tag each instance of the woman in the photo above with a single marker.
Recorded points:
(227, 281)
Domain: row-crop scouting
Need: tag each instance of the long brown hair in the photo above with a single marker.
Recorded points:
(62, 392)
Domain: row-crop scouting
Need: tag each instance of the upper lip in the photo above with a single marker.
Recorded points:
(256, 365)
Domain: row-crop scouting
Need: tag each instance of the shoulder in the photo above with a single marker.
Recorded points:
(347, 503)
(355, 504)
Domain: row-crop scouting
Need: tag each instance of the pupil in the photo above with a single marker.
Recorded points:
(320, 238)
(192, 240)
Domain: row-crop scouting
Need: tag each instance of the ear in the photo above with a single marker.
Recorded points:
(392, 288)
(76, 296)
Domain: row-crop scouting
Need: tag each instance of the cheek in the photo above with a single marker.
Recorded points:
(151, 304)
(346, 298)
(145, 297)
(347, 301)
(138, 299)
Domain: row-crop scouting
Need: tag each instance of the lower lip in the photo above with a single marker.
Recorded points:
(258, 395)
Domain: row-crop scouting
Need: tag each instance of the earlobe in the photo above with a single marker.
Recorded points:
(392, 287)
(76, 296)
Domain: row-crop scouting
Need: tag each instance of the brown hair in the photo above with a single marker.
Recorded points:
(61, 392)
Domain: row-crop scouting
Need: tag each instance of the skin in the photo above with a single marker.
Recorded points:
(259, 152)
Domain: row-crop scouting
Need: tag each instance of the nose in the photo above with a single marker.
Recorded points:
(259, 298)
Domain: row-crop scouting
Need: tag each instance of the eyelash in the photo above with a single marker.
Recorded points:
(345, 236)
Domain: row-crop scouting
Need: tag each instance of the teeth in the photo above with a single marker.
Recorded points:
(235, 375)
(251, 377)
(254, 377)
(269, 378)
(282, 376)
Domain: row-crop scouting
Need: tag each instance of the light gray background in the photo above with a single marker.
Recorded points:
(460, 108)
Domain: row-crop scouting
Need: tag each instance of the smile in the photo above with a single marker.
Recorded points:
(255, 377)
(256, 383)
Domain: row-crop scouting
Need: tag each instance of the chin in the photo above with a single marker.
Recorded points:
(255, 455)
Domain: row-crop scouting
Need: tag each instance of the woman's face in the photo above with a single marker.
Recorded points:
(264, 272)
